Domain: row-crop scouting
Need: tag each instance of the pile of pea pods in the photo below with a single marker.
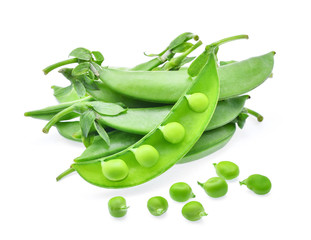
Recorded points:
(136, 123)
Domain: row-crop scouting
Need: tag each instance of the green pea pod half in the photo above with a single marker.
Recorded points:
(167, 86)
(169, 142)
(143, 120)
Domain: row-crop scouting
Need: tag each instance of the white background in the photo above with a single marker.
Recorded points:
(35, 34)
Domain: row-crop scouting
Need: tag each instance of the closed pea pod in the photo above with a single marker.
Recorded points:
(227, 170)
(157, 205)
(257, 183)
(215, 187)
(193, 211)
(117, 207)
(181, 192)
(167, 86)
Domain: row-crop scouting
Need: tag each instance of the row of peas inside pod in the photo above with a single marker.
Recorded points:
(214, 187)
(136, 123)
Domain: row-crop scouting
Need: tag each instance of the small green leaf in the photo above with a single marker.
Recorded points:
(67, 73)
(87, 119)
(81, 69)
(182, 47)
(103, 108)
(80, 89)
(99, 58)
(102, 132)
(88, 141)
(82, 54)
(184, 37)
(242, 119)
(198, 63)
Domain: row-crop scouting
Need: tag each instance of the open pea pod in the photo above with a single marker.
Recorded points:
(167, 86)
(143, 120)
(167, 143)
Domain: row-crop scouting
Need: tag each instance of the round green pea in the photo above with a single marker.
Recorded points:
(215, 187)
(146, 155)
(227, 170)
(157, 205)
(117, 206)
(181, 192)
(198, 102)
(193, 211)
(115, 170)
(173, 132)
(259, 184)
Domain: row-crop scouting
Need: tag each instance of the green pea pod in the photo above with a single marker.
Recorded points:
(179, 130)
(167, 86)
(67, 130)
(49, 112)
(198, 64)
(65, 94)
(143, 120)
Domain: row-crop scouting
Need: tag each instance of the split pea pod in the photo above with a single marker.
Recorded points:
(167, 86)
(170, 141)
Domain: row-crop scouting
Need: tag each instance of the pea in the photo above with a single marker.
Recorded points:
(259, 184)
(215, 187)
(117, 206)
(157, 205)
(181, 192)
(173, 132)
(227, 170)
(193, 211)
(115, 170)
(146, 155)
(198, 102)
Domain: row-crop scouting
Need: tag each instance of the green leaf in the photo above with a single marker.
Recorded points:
(81, 69)
(82, 54)
(99, 58)
(184, 37)
(67, 73)
(242, 119)
(80, 89)
(88, 141)
(65, 94)
(102, 132)
(182, 47)
(198, 63)
(87, 119)
(103, 108)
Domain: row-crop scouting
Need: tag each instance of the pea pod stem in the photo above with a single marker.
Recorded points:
(225, 40)
(255, 114)
(57, 117)
(65, 173)
(59, 64)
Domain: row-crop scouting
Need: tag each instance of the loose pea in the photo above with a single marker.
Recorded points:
(117, 206)
(181, 192)
(146, 155)
(173, 132)
(198, 102)
(157, 205)
(193, 211)
(227, 170)
(259, 184)
(215, 187)
(115, 170)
